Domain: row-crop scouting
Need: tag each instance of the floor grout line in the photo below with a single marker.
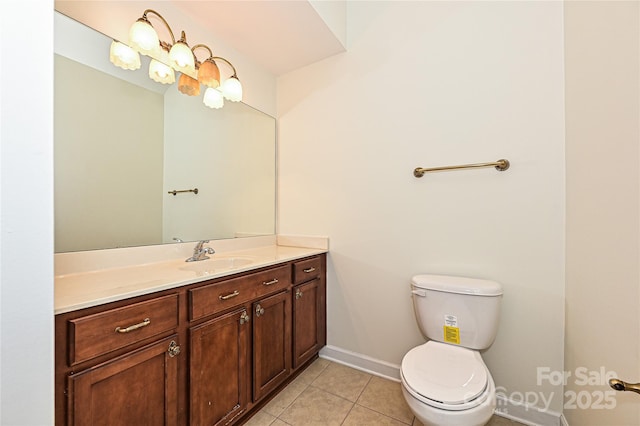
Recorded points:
(347, 416)
(363, 389)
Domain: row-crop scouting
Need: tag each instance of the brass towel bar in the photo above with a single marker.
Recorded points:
(500, 165)
(194, 190)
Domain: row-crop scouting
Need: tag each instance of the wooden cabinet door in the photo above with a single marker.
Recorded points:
(138, 388)
(306, 327)
(271, 343)
(219, 369)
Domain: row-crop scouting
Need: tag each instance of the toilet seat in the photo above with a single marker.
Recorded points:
(445, 376)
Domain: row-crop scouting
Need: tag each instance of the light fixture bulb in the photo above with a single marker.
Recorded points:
(123, 56)
(213, 98)
(182, 58)
(161, 73)
(232, 89)
(209, 74)
(188, 85)
(143, 37)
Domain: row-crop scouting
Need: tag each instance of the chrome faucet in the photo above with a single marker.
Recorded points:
(200, 252)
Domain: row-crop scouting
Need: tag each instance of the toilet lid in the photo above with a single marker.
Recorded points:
(445, 373)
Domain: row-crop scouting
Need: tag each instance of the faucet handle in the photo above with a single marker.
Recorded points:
(200, 244)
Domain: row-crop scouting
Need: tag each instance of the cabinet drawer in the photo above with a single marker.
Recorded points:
(98, 334)
(306, 270)
(217, 297)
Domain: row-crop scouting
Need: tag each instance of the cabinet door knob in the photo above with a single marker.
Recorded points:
(244, 317)
(298, 294)
(259, 310)
(174, 349)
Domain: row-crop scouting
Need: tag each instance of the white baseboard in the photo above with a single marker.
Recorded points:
(526, 414)
(531, 416)
(361, 362)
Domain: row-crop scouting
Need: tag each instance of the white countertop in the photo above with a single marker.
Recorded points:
(86, 288)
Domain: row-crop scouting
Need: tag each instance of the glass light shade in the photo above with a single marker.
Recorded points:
(209, 74)
(182, 58)
(161, 73)
(213, 98)
(123, 56)
(189, 86)
(232, 89)
(143, 37)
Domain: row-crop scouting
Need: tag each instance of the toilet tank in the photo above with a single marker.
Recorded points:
(457, 310)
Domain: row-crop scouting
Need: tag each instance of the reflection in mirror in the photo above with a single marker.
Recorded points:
(120, 148)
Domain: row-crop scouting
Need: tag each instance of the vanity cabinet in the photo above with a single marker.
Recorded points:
(203, 354)
(138, 388)
(119, 365)
(271, 343)
(309, 310)
(219, 368)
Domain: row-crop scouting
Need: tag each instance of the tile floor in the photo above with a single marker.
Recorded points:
(328, 393)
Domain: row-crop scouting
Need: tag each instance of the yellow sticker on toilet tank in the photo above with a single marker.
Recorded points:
(452, 334)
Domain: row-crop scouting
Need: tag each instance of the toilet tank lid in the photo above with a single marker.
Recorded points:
(460, 285)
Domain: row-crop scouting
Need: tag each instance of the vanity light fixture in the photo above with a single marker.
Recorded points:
(142, 36)
(189, 86)
(167, 58)
(161, 73)
(123, 56)
(213, 98)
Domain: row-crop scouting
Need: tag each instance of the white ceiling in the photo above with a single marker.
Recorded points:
(278, 35)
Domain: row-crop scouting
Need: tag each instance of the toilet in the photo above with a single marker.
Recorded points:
(445, 381)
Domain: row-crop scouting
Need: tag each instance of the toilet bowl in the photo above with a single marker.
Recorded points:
(445, 381)
(446, 385)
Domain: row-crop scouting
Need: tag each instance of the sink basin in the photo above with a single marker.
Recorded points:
(217, 264)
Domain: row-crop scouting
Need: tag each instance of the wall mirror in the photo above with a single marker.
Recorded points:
(122, 142)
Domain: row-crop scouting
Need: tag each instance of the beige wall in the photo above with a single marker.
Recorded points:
(430, 84)
(108, 155)
(602, 122)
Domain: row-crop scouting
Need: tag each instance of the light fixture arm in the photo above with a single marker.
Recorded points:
(164, 21)
(228, 63)
(204, 46)
(211, 57)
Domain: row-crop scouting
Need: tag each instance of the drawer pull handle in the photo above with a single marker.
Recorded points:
(229, 296)
(273, 281)
(309, 270)
(144, 323)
